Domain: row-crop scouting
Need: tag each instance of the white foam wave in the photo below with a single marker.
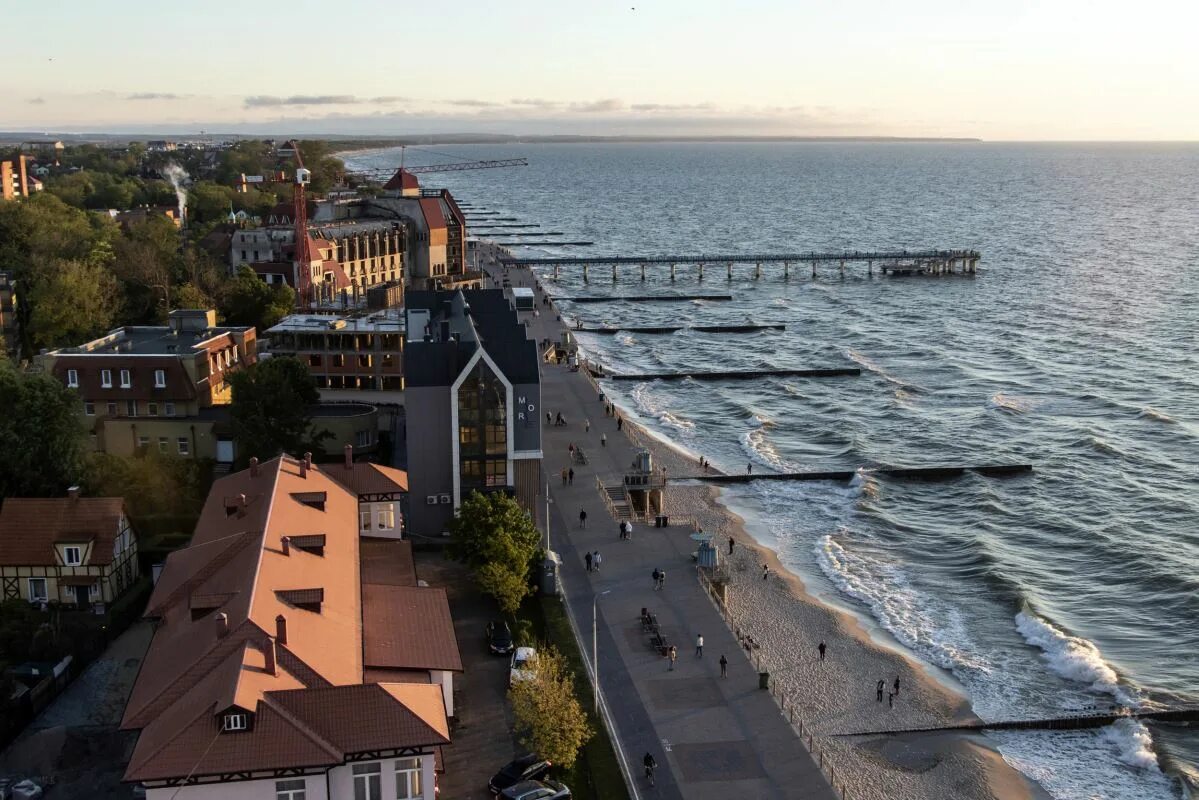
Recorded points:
(1149, 412)
(757, 445)
(648, 405)
(1132, 742)
(625, 338)
(1007, 402)
(868, 364)
(1071, 657)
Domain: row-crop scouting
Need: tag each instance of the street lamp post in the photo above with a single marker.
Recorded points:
(595, 647)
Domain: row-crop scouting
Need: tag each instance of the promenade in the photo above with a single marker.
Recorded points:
(712, 737)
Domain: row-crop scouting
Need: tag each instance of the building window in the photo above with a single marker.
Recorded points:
(72, 556)
(362, 438)
(185, 447)
(106, 378)
(163, 444)
(93, 591)
(482, 430)
(290, 790)
(160, 379)
(143, 442)
(112, 409)
(131, 408)
(126, 379)
(314, 360)
(386, 517)
(364, 519)
(408, 779)
(37, 590)
(89, 408)
(368, 782)
(152, 409)
(236, 722)
(168, 408)
(73, 379)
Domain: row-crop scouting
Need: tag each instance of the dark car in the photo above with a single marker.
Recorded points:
(499, 638)
(525, 768)
(536, 790)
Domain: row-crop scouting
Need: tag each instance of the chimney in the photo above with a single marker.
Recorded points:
(73, 491)
(222, 624)
(303, 468)
(268, 654)
(254, 467)
(349, 450)
(286, 542)
(281, 629)
(308, 460)
(241, 505)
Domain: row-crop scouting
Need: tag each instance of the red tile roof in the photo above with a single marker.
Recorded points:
(29, 527)
(387, 562)
(366, 478)
(408, 627)
(403, 179)
(431, 207)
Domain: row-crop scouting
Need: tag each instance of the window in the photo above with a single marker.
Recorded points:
(131, 408)
(168, 408)
(314, 360)
(290, 790)
(368, 782)
(160, 379)
(185, 447)
(143, 442)
(126, 379)
(362, 438)
(364, 519)
(152, 409)
(386, 517)
(37, 590)
(112, 409)
(72, 556)
(106, 378)
(93, 591)
(89, 408)
(408, 779)
(73, 379)
(236, 722)
(163, 444)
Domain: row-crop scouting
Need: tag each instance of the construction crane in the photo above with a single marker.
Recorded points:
(382, 174)
(303, 244)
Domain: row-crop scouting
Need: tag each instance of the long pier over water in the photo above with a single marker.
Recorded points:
(895, 262)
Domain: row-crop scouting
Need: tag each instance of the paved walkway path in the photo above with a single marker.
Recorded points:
(712, 737)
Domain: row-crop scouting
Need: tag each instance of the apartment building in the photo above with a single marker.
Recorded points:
(76, 551)
(293, 656)
(16, 179)
(472, 399)
(364, 351)
(161, 387)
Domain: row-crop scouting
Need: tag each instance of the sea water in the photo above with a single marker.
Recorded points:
(1068, 589)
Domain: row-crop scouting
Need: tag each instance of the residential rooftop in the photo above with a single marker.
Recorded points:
(187, 330)
(389, 320)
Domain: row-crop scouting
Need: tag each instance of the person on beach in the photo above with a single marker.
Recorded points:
(620, 531)
(878, 692)
(586, 426)
(564, 476)
(619, 423)
(603, 440)
(890, 699)
(587, 558)
(724, 666)
(674, 656)
(765, 571)
(570, 476)
(583, 519)
(661, 579)
(571, 448)
(821, 647)
(596, 559)
(896, 684)
(549, 419)
(749, 468)
(731, 543)
(699, 646)
(657, 586)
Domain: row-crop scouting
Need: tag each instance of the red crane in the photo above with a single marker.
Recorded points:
(303, 243)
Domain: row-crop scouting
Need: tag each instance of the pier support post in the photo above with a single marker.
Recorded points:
(786, 270)
(701, 272)
(842, 268)
(730, 268)
(614, 273)
(672, 272)
(758, 271)
(643, 272)
(870, 268)
(585, 280)
(973, 265)
(555, 272)
(813, 269)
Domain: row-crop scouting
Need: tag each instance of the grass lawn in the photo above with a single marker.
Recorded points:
(596, 774)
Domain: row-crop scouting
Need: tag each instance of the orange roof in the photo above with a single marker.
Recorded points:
(403, 179)
(29, 527)
(431, 207)
(408, 627)
(362, 477)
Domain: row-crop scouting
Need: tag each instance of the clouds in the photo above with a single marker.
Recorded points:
(598, 106)
(275, 101)
(155, 96)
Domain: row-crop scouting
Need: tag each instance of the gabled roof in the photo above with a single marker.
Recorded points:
(362, 477)
(403, 179)
(431, 207)
(30, 526)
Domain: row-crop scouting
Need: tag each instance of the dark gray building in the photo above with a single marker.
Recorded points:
(472, 399)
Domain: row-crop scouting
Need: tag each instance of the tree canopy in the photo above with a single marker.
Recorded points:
(72, 302)
(271, 410)
(41, 438)
(549, 718)
(249, 300)
(498, 541)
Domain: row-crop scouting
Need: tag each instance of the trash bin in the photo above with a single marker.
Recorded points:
(763, 680)
(658, 521)
(665, 521)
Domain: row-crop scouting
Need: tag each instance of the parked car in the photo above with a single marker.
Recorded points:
(536, 790)
(499, 638)
(529, 767)
(520, 669)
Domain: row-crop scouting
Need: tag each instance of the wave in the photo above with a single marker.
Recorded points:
(1006, 402)
(1148, 412)
(1072, 657)
(868, 364)
(625, 338)
(650, 406)
(1132, 742)
(757, 445)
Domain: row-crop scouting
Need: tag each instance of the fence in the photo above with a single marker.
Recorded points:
(786, 704)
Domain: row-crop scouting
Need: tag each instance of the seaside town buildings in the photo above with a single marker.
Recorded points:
(78, 551)
(158, 386)
(295, 653)
(472, 398)
(16, 178)
(364, 352)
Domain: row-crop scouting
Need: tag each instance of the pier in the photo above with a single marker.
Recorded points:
(887, 262)
(676, 328)
(648, 298)
(835, 372)
(909, 473)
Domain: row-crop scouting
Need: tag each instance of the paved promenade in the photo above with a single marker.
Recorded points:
(712, 737)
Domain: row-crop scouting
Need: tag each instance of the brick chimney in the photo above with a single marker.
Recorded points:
(349, 451)
(308, 460)
(281, 629)
(73, 492)
(254, 467)
(303, 468)
(222, 624)
(241, 505)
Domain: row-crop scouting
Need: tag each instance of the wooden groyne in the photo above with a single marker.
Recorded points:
(909, 473)
(545, 244)
(835, 372)
(1184, 714)
(647, 298)
(676, 328)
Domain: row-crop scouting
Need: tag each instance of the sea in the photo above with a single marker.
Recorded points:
(1075, 348)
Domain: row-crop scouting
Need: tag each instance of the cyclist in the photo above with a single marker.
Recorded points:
(650, 766)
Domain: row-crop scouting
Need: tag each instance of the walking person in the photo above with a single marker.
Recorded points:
(597, 559)
(583, 519)
(570, 476)
(587, 558)
(619, 423)
(586, 426)
(749, 468)
(724, 666)
(879, 691)
(564, 476)
(731, 543)
(657, 586)
(821, 648)
(650, 766)
(661, 579)
(603, 440)
(765, 571)
(548, 418)
(674, 656)
(896, 684)
(699, 645)
(890, 699)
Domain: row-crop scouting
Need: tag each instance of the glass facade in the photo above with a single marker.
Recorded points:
(482, 431)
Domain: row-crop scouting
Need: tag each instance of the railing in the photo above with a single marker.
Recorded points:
(785, 702)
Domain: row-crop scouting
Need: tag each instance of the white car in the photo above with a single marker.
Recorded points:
(521, 669)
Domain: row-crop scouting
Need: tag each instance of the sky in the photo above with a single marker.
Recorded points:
(997, 70)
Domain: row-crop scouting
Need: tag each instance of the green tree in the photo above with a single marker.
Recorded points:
(271, 409)
(152, 483)
(497, 540)
(72, 302)
(249, 300)
(209, 202)
(41, 438)
(549, 718)
(190, 296)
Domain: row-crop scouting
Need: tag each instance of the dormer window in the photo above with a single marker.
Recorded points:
(106, 378)
(126, 379)
(160, 379)
(312, 499)
(73, 379)
(72, 556)
(236, 721)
